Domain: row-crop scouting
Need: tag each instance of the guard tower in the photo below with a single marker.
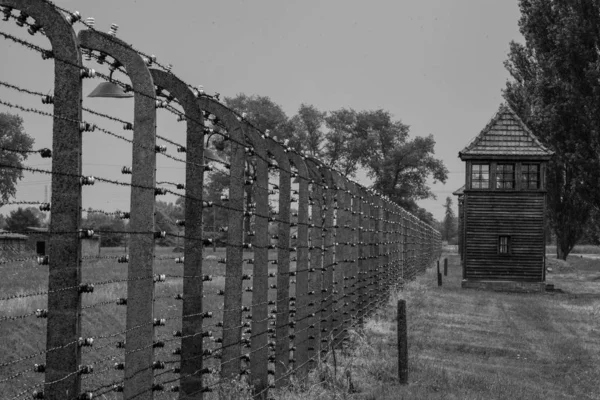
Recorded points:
(502, 208)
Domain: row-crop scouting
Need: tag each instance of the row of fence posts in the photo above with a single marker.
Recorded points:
(354, 247)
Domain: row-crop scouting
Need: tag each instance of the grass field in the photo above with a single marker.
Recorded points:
(463, 344)
(23, 335)
(578, 249)
(470, 344)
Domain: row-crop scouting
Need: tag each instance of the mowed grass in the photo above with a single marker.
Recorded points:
(578, 249)
(24, 336)
(471, 344)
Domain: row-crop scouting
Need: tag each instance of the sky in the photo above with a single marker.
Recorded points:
(435, 65)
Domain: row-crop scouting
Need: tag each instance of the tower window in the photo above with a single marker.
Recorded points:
(480, 176)
(505, 176)
(530, 176)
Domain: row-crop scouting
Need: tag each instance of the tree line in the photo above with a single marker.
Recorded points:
(555, 89)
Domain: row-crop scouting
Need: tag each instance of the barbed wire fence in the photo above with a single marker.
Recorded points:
(308, 253)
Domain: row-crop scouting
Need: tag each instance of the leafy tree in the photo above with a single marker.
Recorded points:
(449, 224)
(556, 91)
(13, 137)
(308, 123)
(400, 166)
(347, 140)
(20, 219)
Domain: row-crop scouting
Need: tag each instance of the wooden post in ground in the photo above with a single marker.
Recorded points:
(445, 267)
(402, 343)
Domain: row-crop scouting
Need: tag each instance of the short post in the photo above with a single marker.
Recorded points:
(438, 266)
(445, 267)
(439, 279)
(402, 343)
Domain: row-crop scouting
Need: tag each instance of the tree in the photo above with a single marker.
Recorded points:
(2, 221)
(19, 219)
(12, 137)
(449, 224)
(400, 166)
(347, 140)
(556, 91)
(308, 123)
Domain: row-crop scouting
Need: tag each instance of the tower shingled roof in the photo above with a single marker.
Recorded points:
(505, 134)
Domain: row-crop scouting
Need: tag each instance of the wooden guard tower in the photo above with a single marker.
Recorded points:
(502, 207)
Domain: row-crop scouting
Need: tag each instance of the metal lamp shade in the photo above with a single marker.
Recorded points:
(109, 89)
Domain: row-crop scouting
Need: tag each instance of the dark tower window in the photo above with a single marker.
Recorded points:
(480, 176)
(530, 176)
(504, 245)
(505, 176)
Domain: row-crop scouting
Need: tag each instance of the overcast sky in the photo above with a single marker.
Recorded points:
(436, 65)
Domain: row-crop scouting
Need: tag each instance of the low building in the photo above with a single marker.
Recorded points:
(39, 238)
(12, 242)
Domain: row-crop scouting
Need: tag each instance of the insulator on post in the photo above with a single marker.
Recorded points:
(46, 153)
(207, 204)
(38, 394)
(6, 10)
(85, 342)
(160, 191)
(123, 259)
(43, 260)
(159, 278)
(207, 242)
(113, 30)
(86, 369)
(161, 149)
(48, 99)
(128, 126)
(179, 260)
(39, 367)
(41, 313)
(180, 222)
(22, 18)
(74, 17)
(86, 288)
(126, 170)
(86, 72)
(45, 207)
(159, 322)
(86, 233)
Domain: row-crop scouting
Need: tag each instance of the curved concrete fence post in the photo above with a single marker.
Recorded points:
(259, 374)
(339, 263)
(302, 297)
(64, 251)
(362, 254)
(139, 338)
(282, 319)
(328, 261)
(352, 283)
(232, 305)
(315, 277)
(191, 333)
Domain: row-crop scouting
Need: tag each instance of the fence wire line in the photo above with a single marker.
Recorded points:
(340, 297)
